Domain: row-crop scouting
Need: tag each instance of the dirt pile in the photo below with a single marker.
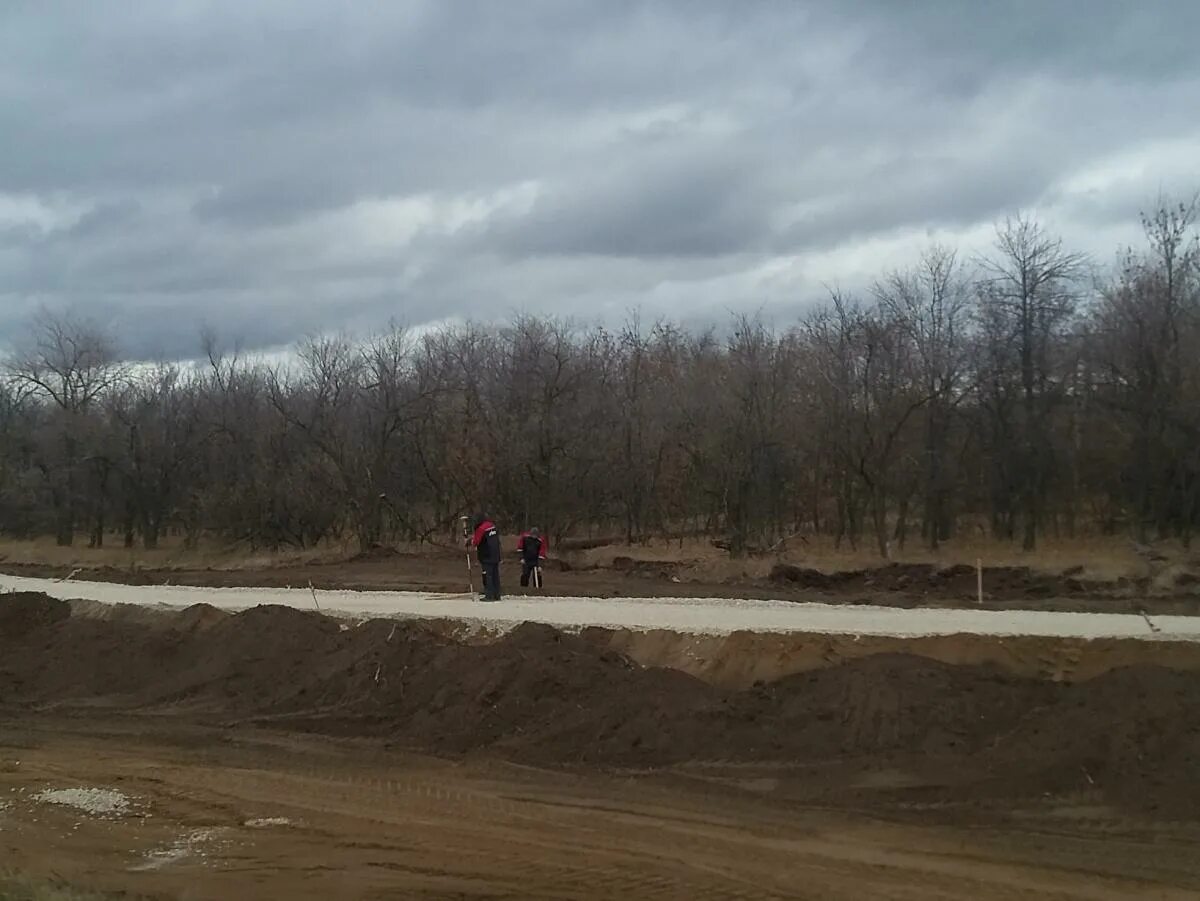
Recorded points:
(877, 705)
(23, 611)
(540, 695)
(647, 569)
(929, 580)
(1133, 732)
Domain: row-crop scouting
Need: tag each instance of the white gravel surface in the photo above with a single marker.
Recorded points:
(712, 616)
(267, 822)
(96, 801)
(189, 845)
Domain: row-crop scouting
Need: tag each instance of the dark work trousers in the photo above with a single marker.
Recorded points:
(527, 568)
(491, 581)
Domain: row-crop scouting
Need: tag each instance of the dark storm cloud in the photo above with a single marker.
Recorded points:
(283, 167)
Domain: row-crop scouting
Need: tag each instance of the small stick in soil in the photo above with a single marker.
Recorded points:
(314, 594)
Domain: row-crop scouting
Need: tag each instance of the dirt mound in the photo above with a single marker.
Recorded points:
(1134, 732)
(23, 611)
(538, 694)
(379, 552)
(199, 617)
(552, 695)
(82, 659)
(646, 569)
(883, 703)
(929, 580)
(806, 577)
(124, 576)
(252, 660)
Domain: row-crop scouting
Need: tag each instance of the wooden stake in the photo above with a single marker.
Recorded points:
(466, 530)
(979, 579)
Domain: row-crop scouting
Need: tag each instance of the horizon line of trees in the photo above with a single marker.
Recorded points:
(1015, 394)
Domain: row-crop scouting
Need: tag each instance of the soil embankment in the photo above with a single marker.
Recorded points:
(958, 732)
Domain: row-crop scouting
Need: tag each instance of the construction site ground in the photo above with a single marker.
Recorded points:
(237, 812)
(616, 571)
(281, 752)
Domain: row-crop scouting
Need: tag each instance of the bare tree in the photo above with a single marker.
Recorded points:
(869, 379)
(1148, 342)
(69, 363)
(954, 395)
(930, 304)
(1029, 288)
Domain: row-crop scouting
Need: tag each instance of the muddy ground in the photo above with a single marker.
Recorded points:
(236, 812)
(900, 584)
(565, 768)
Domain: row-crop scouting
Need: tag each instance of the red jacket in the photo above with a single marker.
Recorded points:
(541, 551)
(487, 542)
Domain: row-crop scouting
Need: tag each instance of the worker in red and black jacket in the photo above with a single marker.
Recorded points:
(532, 548)
(486, 540)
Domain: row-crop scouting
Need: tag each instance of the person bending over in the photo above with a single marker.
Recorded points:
(532, 548)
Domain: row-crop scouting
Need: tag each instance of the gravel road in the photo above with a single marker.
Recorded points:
(713, 616)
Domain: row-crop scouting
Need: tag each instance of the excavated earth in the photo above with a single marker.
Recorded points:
(962, 733)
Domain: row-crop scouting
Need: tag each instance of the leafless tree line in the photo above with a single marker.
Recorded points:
(1015, 393)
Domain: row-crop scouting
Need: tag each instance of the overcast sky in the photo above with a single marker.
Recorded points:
(272, 169)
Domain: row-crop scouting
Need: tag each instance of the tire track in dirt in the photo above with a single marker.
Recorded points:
(365, 826)
(455, 815)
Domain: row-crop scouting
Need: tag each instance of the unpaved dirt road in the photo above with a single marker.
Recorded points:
(238, 813)
(692, 615)
(438, 571)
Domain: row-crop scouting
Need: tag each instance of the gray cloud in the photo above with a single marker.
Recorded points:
(705, 202)
(291, 166)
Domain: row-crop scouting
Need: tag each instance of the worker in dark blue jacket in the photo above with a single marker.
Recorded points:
(532, 548)
(486, 540)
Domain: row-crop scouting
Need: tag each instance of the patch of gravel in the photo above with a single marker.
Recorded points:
(189, 845)
(267, 822)
(99, 802)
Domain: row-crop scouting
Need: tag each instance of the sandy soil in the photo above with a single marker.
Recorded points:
(236, 813)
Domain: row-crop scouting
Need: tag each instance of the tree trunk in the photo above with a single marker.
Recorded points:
(64, 503)
(901, 533)
(879, 517)
(129, 520)
(150, 536)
